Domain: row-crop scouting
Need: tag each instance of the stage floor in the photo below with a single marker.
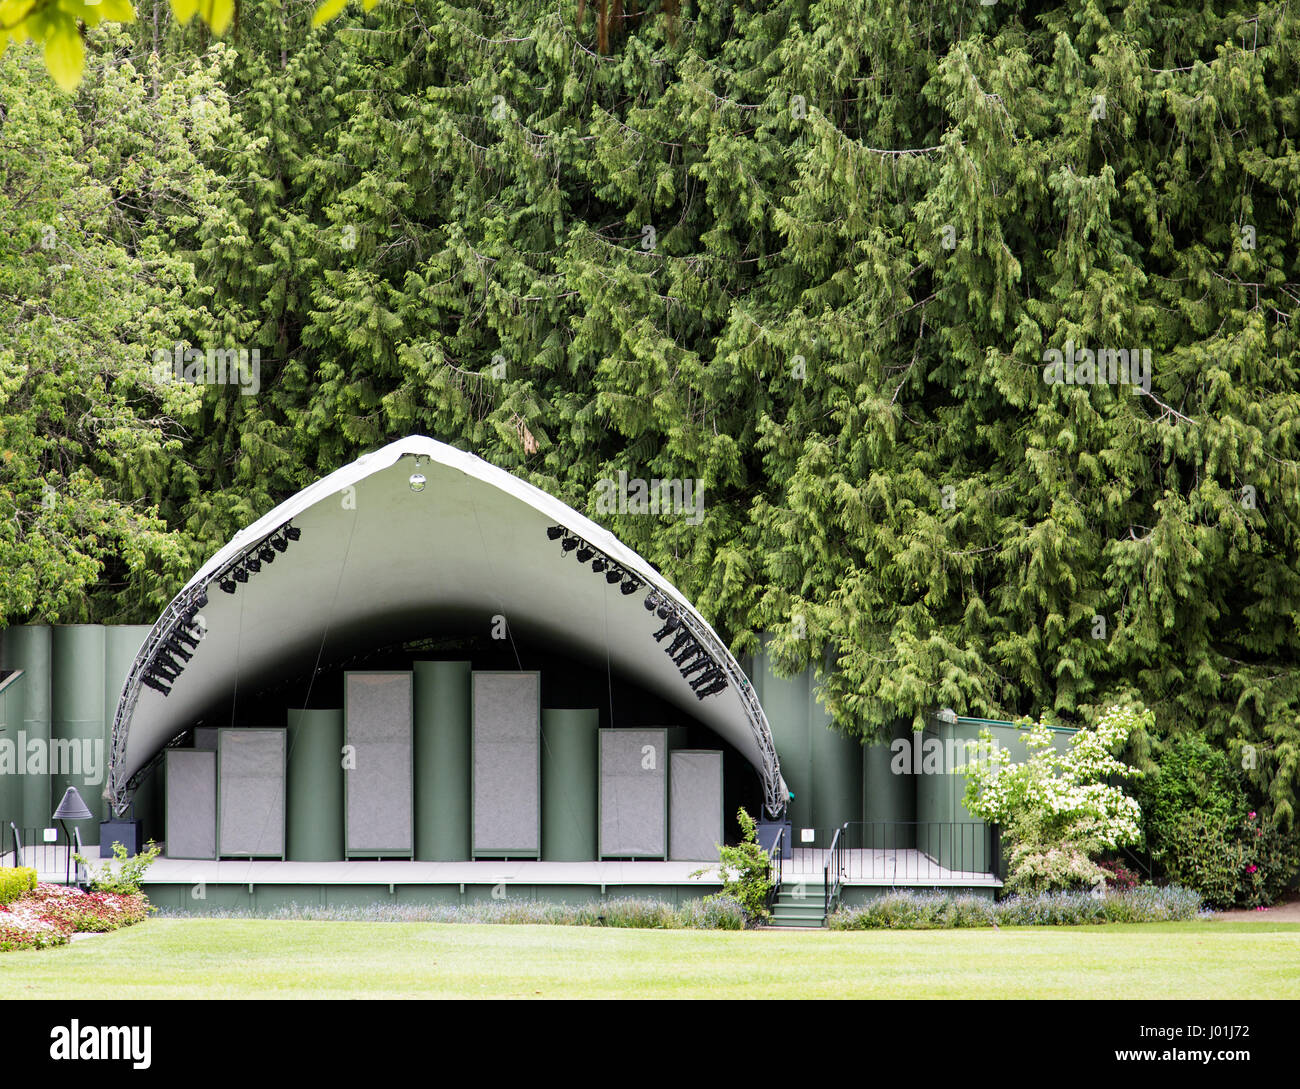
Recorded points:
(890, 868)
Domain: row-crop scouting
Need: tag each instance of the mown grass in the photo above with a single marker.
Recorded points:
(253, 958)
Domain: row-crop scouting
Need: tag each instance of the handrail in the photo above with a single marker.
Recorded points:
(774, 867)
(833, 861)
(79, 871)
(18, 845)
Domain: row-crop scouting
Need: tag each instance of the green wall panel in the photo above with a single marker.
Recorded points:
(442, 761)
(836, 769)
(314, 786)
(785, 701)
(569, 784)
(78, 753)
(29, 648)
(888, 793)
(821, 766)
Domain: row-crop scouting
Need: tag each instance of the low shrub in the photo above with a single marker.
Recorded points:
(14, 881)
(708, 914)
(124, 873)
(713, 913)
(914, 911)
(745, 870)
(930, 911)
(634, 913)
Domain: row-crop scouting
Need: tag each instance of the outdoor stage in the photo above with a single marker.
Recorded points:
(266, 885)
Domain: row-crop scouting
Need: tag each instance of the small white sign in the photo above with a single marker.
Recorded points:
(807, 835)
(51, 835)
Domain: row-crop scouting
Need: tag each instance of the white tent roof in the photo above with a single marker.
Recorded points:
(377, 557)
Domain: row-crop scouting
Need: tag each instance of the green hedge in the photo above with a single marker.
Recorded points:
(14, 881)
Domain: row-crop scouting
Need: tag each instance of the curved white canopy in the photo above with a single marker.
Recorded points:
(376, 558)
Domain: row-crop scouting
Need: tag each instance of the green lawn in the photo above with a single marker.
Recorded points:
(247, 958)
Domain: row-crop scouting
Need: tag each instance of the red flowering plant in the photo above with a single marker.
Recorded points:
(1268, 860)
(1118, 876)
(50, 913)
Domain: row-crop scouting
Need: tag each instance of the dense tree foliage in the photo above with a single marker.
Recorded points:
(825, 257)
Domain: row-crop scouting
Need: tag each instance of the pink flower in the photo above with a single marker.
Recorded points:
(1252, 814)
(1251, 868)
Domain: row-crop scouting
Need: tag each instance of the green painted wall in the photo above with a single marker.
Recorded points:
(314, 786)
(79, 756)
(570, 793)
(888, 793)
(442, 761)
(822, 767)
(30, 649)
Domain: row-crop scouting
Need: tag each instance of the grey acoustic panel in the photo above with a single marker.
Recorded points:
(694, 805)
(250, 792)
(379, 808)
(205, 738)
(507, 794)
(191, 804)
(633, 793)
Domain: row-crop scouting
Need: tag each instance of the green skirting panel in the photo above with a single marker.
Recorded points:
(442, 759)
(569, 798)
(314, 787)
(78, 756)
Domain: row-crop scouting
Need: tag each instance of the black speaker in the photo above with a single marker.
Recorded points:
(127, 833)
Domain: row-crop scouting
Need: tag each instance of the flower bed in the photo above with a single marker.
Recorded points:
(48, 914)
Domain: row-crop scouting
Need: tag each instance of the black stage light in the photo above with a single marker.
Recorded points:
(201, 600)
(598, 564)
(712, 689)
(663, 611)
(569, 544)
(266, 554)
(649, 602)
(228, 585)
(280, 543)
(240, 574)
(292, 532)
(584, 554)
(174, 647)
(157, 685)
(184, 637)
(613, 575)
(554, 532)
(253, 564)
(631, 586)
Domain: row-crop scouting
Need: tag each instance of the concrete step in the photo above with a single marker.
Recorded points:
(804, 921)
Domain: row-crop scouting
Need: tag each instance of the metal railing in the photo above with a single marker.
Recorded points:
(18, 845)
(833, 871)
(899, 852)
(774, 864)
(46, 856)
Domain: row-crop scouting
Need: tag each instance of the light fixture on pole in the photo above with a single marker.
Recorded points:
(71, 808)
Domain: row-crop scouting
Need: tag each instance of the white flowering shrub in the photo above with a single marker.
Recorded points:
(1057, 809)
